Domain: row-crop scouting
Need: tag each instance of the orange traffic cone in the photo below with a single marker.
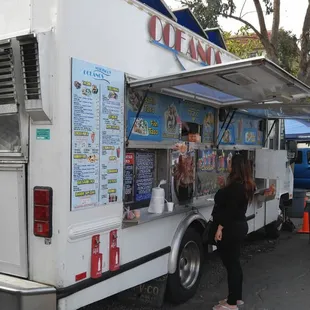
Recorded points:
(305, 226)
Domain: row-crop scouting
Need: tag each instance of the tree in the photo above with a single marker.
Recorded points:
(245, 42)
(272, 43)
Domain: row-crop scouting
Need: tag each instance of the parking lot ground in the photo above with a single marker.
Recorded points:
(276, 277)
(275, 280)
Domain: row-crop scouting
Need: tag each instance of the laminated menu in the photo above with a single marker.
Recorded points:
(97, 135)
(144, 182)
(129, 177)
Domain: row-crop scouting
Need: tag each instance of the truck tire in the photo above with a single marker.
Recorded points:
(182, 285)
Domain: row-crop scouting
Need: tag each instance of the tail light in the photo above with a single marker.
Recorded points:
(42, 211)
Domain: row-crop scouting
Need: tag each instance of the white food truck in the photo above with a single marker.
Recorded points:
(99, 102)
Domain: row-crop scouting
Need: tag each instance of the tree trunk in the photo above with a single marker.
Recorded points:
(275, 23)
(304, 65)
(270, 49)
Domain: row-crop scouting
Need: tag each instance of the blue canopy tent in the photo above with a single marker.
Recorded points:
(298, 130)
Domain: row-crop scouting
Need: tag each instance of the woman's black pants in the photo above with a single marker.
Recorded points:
(230, 250)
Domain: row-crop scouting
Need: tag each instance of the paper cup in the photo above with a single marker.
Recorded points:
(169, 206)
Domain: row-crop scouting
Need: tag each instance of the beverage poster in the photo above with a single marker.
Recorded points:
(223, 160)
(206, 172)
(243, 130)
(208, 126)
(207, 160)
(212, 170)
(228, 135)
(97, 135)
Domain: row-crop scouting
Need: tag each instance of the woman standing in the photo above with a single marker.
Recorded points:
(231, 203)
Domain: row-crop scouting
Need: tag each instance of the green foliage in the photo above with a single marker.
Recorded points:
(242, 44)
(288, 51)
(207, 13)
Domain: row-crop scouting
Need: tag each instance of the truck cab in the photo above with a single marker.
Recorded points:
(302, 169)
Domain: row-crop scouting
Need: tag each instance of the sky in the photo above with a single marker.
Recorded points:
(291, 17)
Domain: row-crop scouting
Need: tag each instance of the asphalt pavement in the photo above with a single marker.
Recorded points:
(276, 277)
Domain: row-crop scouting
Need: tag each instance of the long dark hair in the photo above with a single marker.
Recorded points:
(241, 172)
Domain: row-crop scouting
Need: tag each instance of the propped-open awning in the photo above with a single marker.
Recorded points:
(252, 85)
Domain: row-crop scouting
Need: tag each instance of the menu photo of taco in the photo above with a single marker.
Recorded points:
(86, 92)
(141, 127)
(92, 158)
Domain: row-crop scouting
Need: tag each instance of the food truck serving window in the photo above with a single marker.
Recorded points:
(177, 139)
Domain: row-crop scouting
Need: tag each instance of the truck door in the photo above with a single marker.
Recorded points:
(13, 233)
(272, 166)
(13, 164)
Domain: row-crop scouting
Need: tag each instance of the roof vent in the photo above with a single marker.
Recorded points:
(29, 51)
(8, 100)
(31, 70)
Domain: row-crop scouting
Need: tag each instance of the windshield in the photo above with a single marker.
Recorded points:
(9, 134)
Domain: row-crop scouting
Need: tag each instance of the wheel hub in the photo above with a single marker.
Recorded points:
(189, 264)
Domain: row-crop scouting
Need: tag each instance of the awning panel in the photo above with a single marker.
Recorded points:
(248, 84)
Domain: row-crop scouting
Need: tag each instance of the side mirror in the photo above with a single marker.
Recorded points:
(291, 147)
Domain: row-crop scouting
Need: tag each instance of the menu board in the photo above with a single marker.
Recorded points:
(243, 130)
(162, 115)
(97, 135)
(129, 177)
(144, 181)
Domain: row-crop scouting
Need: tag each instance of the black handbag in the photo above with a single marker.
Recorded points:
(209, 233)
